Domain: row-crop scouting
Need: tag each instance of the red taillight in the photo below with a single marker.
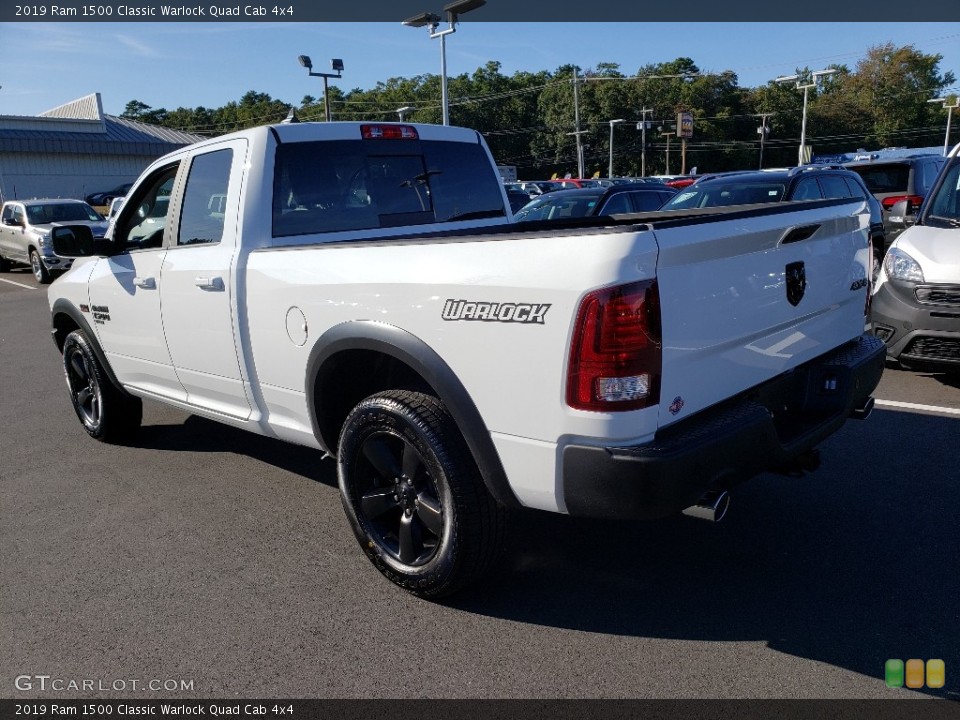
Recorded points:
(615, 355)
(388, 132)
(889, 202)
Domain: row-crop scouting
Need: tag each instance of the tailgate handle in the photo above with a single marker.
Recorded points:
(799, 233)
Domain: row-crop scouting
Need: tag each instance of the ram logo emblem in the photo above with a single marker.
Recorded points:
(796, 282)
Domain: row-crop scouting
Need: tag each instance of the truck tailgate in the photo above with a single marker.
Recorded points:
(751, 299)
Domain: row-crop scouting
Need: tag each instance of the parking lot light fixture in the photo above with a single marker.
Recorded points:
(403, 111)
(610, 168)
(949, 102)
(805, 81)
(429, 20)
(336, 64)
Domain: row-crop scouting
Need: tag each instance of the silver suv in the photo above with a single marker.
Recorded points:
(25, 233)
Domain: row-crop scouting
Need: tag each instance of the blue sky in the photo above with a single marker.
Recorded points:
(187, 64)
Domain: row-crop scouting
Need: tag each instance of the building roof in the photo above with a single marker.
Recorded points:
(80, 126)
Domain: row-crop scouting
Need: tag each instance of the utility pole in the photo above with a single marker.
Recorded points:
(763, 130)
(667, 135)
(642, 125)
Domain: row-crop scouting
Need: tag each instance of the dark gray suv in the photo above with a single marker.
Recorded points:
(808, 182)
(895, 179)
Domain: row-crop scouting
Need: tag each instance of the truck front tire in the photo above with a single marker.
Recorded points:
(40, 271)
(413, 494)
(106, 412)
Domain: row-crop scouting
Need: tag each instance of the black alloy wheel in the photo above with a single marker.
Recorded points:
(84, 385)
(107, 413)
(398, 498)
(413, 495)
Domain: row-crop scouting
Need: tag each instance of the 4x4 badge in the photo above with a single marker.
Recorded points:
(796, 282)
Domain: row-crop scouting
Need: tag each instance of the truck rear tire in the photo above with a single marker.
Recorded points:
(413, 494)
(106, 412)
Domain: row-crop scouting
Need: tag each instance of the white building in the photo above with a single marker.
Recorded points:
(75, 150)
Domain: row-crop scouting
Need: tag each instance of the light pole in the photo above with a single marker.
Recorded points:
(402, 111)
(805, 81)
(642, 125)
(335, 64)
(949, 102)
(432, 21)
(610, 168)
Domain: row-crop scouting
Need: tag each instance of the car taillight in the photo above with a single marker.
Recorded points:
(616, 351)
(388, 132)
(889, 202)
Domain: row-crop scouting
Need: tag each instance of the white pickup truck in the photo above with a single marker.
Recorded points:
(360, 288)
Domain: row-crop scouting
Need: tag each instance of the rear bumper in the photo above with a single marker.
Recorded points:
(765, 429)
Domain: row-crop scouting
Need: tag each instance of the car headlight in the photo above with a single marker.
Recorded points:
(43, 239)
(900, 266)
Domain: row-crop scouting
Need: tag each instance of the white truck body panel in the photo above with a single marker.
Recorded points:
(227, 329)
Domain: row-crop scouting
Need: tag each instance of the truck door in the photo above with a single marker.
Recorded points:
(125, 290)
(197, 292)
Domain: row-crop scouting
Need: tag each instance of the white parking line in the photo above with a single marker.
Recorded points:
(897, 405)
(28, 287)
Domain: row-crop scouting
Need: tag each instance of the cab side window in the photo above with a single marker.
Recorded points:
(143, 218)
(204, 200)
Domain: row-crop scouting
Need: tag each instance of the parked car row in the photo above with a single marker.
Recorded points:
(916, 274)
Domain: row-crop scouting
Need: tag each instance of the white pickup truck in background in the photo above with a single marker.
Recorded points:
(360, 288)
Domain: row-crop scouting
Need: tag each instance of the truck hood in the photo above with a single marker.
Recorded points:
(936, 249)
(98, 228)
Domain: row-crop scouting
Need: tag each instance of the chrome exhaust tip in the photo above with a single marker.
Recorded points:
(712, 506)
(864, 411)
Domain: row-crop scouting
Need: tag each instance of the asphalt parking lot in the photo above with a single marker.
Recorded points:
(212, 558)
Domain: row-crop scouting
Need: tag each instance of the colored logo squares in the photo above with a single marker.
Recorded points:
(914, 673)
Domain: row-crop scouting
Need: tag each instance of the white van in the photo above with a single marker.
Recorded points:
(916, 302)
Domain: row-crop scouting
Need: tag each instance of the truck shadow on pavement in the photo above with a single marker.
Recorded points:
(850, 566)
(197, 434)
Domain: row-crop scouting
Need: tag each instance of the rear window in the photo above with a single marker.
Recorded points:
(885, 177)
(329, 186)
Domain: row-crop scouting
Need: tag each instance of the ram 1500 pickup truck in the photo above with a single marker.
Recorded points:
(360, 288)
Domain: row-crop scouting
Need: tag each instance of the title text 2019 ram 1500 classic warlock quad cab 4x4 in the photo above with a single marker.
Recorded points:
(360, 288)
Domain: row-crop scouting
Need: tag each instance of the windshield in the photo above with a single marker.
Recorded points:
(730, 193)
(61, 212)
(552, 207)
(943, 207)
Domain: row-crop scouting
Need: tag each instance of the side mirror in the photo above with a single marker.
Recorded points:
(902, 214)
(12, 222)
(74, 241)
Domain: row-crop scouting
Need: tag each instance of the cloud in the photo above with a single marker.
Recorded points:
(138, 47)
